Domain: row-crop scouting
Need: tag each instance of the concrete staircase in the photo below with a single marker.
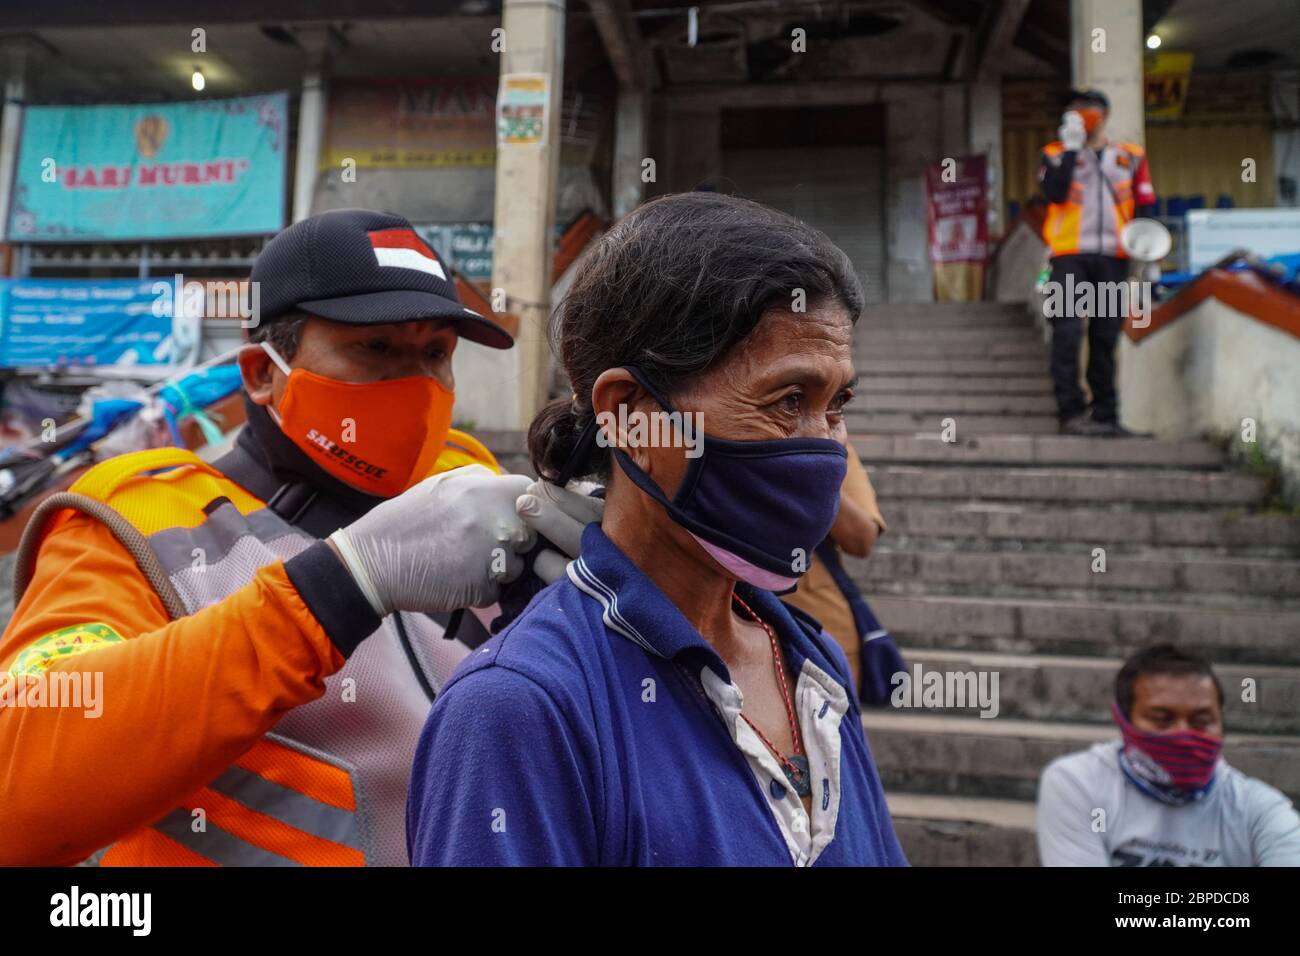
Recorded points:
(988, 567)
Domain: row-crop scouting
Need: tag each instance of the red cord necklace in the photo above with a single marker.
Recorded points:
(796, 765)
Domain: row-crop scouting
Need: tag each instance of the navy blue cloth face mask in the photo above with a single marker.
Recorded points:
(759, 508)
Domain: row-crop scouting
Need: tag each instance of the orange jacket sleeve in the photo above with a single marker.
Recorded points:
(179, 700)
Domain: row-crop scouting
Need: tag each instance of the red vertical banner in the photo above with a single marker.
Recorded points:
(957, 219)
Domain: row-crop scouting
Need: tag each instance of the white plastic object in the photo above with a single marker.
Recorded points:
(1146, 240)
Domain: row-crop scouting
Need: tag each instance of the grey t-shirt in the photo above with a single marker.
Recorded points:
(1090, 815)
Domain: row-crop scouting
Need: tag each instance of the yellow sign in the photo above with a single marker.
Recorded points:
(411, 123)
(389, 158)
(1167, 77)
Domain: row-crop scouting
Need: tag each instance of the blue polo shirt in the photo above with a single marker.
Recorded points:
(600, 728)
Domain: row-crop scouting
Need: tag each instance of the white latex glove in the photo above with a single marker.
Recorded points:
(448, 542)
(559, 515)
(1072, 133)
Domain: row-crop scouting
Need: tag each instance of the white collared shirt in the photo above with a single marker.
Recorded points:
(820, 704)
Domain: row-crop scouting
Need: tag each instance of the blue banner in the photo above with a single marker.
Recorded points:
(151, 171)
(89, 322)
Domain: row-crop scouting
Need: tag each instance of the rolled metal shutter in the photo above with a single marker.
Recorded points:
(840, 190)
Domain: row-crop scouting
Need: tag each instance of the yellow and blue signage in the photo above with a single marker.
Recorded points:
(151, 171)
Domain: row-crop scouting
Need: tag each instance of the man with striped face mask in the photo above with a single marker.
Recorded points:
(1163, 795)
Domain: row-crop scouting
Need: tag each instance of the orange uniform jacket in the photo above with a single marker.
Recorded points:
(1092, 195)
(182, 700)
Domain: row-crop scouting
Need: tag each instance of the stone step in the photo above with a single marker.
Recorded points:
(1022, 625)
(1035, 383)
(1031, 450)
(509, 447)
(872, 337)
(941, 364)
(943, 405)
(518, 466)
(1066, 485)
(997, 524)
(869, 326)
(966, 424)
(971, 313)
(1080, 689)
(500, 441)
(1219, 580)
(964, 831)
(893, 350)
(972, 757)
(1027, 350)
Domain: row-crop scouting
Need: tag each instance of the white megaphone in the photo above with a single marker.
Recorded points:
(1146, 240)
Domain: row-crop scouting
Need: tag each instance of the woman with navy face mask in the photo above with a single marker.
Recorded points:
(660, 705)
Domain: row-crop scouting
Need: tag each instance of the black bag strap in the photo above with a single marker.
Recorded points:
(241, 468)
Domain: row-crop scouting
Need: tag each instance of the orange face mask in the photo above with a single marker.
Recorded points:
(378, 437)
(1092, 120)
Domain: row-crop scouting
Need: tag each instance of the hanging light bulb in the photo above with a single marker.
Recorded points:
(1153, 41)
(197, 80)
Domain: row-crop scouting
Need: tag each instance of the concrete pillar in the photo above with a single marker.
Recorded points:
(526, 181)
(311, 117)
(311, 127)
(915, 133)
(20, 57)
(629, 61)
(10, 127)
(632, 125)
(985, 100)
(1106, 52)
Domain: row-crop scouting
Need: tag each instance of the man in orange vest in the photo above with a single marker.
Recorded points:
(230, 663)
(1093, 187)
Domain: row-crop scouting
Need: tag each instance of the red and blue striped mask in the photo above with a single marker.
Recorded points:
(1174, 767)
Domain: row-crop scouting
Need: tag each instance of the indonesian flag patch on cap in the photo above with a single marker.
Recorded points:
(404, 249)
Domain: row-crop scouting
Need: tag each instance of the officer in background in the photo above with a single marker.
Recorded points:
(1093, 187)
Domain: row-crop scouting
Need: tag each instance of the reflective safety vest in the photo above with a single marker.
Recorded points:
(328, 785)
(1100, 203)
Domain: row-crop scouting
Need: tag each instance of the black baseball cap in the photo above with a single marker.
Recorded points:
(364, 268)
(1087, 96)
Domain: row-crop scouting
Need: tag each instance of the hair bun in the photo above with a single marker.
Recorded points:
(552, 438)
